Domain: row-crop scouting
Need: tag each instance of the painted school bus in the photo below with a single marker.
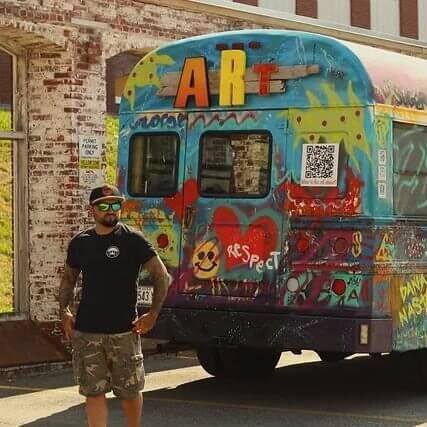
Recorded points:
(282, 177)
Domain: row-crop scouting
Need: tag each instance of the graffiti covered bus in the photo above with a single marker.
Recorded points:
(282, 176)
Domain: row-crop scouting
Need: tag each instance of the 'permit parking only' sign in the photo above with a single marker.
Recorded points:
(89, 161)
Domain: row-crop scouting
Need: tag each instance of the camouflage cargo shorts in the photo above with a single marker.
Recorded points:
(105, 362)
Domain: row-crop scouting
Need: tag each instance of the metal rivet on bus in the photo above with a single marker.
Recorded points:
(324, 123)
(357, 113)
(342, 118)
(299, 119)
(358, 136)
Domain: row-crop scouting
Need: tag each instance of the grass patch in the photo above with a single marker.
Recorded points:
(6, 218)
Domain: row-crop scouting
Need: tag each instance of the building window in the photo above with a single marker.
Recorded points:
(409, 18)
(235, 164)
(360, 13)
(306, 8)
(153, 165)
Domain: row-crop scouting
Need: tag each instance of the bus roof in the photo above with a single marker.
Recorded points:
(303, 70)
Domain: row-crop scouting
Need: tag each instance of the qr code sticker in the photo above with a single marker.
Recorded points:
(319, 165)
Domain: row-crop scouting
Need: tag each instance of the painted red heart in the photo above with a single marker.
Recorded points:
(189, 192)
(260, 237)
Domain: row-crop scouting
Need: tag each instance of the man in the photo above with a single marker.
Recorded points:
(105, 333)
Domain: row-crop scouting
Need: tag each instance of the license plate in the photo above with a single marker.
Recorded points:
(145, 295)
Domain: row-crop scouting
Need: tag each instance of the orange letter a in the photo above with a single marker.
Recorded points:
(193, 82)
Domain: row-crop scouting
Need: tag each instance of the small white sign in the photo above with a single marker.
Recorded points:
(382, 157)
(145, 295)
(90, 178)
(381, 173)
(89, 147)
(319, 166)
(382, 190)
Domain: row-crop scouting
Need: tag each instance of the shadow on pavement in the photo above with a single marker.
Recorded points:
(64, 378)
(359, 385)
(349, 385)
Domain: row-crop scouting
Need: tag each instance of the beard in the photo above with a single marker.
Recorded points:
(108, 220)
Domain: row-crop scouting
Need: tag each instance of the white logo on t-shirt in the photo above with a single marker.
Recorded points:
(112, 252)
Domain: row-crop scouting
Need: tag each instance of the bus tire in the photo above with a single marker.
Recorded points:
(210, 361)
(332, 356)
(249, 363)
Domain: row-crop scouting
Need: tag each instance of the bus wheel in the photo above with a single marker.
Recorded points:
(332, 356)
(210, 361)
(249, 363)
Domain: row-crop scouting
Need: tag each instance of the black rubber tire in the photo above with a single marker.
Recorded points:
(332, 356)
(210, 361)
(242, 363)
(249, 363)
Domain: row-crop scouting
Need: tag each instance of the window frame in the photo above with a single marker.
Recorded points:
(19, 137)
(393, 173)
(236, 195)
(130, 162)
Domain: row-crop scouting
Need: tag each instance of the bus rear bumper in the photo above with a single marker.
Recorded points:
(280, 331)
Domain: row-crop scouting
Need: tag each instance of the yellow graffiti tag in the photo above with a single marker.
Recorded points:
(414, 298)
(384, 252)
(356, 249)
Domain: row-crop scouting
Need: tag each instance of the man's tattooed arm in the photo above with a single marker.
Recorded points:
(66, 288)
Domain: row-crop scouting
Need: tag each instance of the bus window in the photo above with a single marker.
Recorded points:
(153, 165)
(409, 169)
(235, 164)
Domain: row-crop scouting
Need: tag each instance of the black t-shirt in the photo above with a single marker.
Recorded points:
(110, 265)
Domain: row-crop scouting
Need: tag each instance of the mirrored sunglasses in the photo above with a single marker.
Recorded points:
(104, 207)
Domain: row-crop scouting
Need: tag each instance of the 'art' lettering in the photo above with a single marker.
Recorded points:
(194, 80)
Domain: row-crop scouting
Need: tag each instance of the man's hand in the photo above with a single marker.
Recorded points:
(145, 323)
(68, 324)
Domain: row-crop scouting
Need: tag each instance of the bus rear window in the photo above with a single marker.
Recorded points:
(235, 164)
(153, 165)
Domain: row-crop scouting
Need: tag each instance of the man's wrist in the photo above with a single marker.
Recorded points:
(154, 312)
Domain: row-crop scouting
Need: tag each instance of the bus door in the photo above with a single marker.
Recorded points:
(233, 216)
(154, 183)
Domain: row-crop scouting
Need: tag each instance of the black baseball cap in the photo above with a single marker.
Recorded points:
(105, 192)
